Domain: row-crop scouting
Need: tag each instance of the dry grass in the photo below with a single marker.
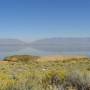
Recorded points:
(22, 58)
(49, 73)
(27, 58)
(61, 58)
(3, 62)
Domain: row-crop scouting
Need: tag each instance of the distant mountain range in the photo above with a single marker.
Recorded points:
(11, 42)
(62, 44)
(7, 45)
(50, 44)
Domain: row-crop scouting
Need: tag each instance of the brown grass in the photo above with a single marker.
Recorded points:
(3, 62)
(23, 58)
(62, 58)
(26, 58)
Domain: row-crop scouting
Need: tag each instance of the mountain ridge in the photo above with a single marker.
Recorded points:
(8, 41)
(62, 44)
(51, 44)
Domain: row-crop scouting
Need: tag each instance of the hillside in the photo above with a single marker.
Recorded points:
(26, 72)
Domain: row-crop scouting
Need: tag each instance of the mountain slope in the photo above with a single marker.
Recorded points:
(7, 45)
(62, 44)
(11, 42)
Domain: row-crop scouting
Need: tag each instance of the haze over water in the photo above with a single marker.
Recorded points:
(30, 20)
(30, 51)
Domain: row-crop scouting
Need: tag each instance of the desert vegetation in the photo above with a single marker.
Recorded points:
(25, 72)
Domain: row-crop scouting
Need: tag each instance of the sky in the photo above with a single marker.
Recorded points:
(36, 19)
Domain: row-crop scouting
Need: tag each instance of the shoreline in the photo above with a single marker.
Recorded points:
(44, 58)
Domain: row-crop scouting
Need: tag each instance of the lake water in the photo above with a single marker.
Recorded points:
(4, 52)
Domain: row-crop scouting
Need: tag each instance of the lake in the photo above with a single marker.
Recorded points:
(4, 52)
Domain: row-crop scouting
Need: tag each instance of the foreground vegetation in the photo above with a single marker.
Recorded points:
(45, 73)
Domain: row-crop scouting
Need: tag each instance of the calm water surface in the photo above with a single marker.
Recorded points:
(30, 51)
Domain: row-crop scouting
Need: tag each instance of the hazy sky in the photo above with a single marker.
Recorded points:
(35, 19)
